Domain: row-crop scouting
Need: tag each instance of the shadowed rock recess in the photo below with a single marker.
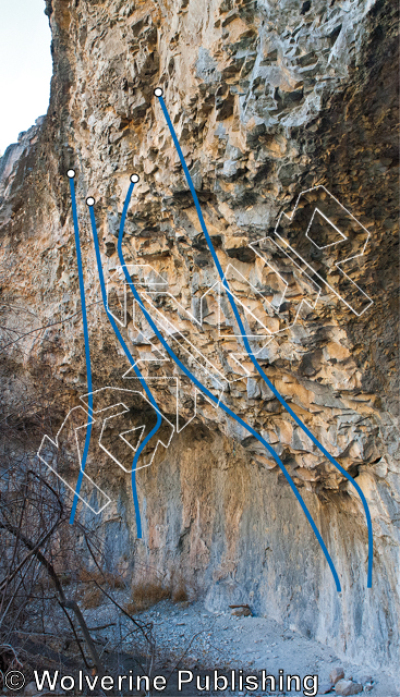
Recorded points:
(269, 99)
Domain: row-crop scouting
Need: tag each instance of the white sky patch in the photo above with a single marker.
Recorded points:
(25, 67)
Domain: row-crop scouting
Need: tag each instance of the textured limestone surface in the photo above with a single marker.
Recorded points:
(287, 117)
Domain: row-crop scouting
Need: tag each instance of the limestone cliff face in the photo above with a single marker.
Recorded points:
(271, 102)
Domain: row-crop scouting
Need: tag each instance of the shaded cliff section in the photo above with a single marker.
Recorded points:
(215, 514)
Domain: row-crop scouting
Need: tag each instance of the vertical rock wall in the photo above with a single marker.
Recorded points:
(269, 100)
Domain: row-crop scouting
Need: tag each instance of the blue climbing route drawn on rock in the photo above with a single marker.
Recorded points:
(261, 372)
(71, 176)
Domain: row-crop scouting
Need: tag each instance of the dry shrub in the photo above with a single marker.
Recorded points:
(130, 608)
(180, 594)
(102, 578)
(115, 581)
(146, 595)
(93, 598)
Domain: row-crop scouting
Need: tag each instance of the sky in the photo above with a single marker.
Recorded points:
(25, 67)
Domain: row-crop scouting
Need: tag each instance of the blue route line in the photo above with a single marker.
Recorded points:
(260, 371)
(128, 355)
(130, 358)
(87, 348)
(220, 404)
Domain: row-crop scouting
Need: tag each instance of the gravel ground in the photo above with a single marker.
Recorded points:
(204, 641)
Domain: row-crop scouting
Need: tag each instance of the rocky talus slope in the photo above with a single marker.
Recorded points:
(281, 109)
